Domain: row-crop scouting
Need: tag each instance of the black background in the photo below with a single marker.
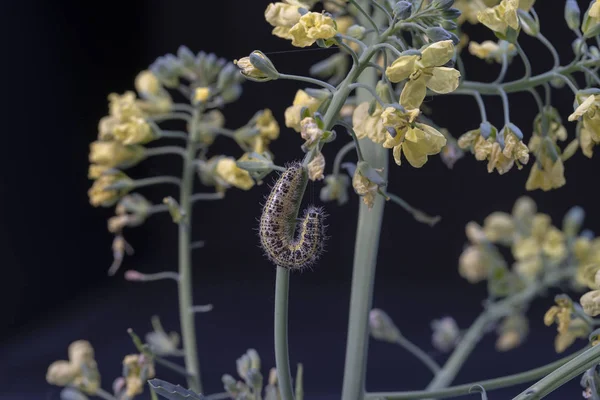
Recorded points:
(61, 60)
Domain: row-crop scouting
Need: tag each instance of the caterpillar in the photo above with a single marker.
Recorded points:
(278, 221)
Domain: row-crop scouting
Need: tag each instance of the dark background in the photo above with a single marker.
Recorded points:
(61, 60)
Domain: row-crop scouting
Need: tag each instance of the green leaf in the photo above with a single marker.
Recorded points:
(173, 392)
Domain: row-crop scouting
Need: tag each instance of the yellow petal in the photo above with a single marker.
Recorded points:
(413, 93)
(439, 53)
(583, 108)
(444, 80)
(401, 68)
(397, 152)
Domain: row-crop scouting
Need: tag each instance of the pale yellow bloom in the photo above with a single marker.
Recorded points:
(587, 254)
(95, 171)
(499, 227)
(124, 106)
(292, 113)
(343, 23)
(471, 265)
(283, 16)
(247, 69)
(595, 10)
(489, 50)
(311, 27)
(364, 188)
(201, 94)
(81, 371)
(591, 303)
(316, 167)
(336, 188)
(147, 83)
(227, 170)
(512, 332)
(266, 130)
(267, 125)
(578, 329)
(588, 112)
(99, 195)
(366, 125)
(469, 10)
(310, 132)
(501, 17)
(550, 176)
(139, 369)
(115, 154)
(424, 72)
(135, 131)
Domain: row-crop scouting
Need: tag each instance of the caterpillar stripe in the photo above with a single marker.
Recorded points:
(278, 221)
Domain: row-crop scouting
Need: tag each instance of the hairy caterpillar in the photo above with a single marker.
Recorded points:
(278, 221)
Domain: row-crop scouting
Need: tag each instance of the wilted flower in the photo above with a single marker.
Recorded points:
(81, 371)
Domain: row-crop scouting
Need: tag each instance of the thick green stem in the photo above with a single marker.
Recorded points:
(491, 314)
(282, 360)
(488, 384)
(562, 375)
(188, 324)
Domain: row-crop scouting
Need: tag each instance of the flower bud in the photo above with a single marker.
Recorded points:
(61, 373)
(243, 366)
(475, 233)
(437, 34)
(572, 15)
(471, 265)
(382, 327)
(257, 67)
(512, 332)
(442, 4)
(591, 303)
(591, 25)
(528, 23)
(524, 209)
(445, 334)
(573, 220)
(254, 378)
(186, 56)
(499, 227)
(229, 384)
(356, 31)
(402, 10)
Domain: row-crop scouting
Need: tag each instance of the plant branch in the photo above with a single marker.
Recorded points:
(284, 375)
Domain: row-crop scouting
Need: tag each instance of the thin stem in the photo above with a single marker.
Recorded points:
(525, 60)
(538, 99)
(156, 180)
(284, 375)
(416, 213)
(353, 40)
(488, 384)
(418, 353)
(168, 116)
(202, 308)
(350, 130)
(388, 46)
(308, 80)
(503, 69)
(340, 156)
(413, 26)
(489, 315)
(550, 47)
(348, 49)
(547, 94)
(592, 75)
(188, 324)
(159, 151)
(568, 82)
(365, 14)
(369, 89)
(172, 366)
(104, 394)
(562, 375)
(505, 108)
(481, 105)
(182, 107)
(140, 277)
(206, 196)
(223, 131)
(173, 134)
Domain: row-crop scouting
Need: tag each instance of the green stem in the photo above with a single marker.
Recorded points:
(351, 132)
(418, 353)
(172, 366)
(340, 156)
(365, 14)
(159, 151)
(503, 69)
(550, 47)
(282, 360)
(368, 89)
(491, 314)
(522, 85)
(562, 375)
(505, 107)
(416, 213)
(165, 117)
(188, 324)
(593, 75)
(525, 61)
(308, 80)
(489, 384)
(173, 134)
(156, 180)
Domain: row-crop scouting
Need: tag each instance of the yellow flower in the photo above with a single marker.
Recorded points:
(587, 254)
(366, 125)
(311, 27)
(578, 329)
(201, 94)
(316, 167)
(292, 113)
(512, 332)
(135, 131)
(588, 112)
(138, 369)
(550, 176)
(364, 188)
(268, 130)
(95, 171)
(283, 16)
(591, 303)
(147, 83)
(501, 17)
(115, 154)
(336, 188)
(99, 195)
(417, 141)
(595, 10)
(227, 170)
(471, 265)
(489, 50)
(310, 132)
(499, 227)
(424, 72)
(499, 158)
(469, 10)
(81, 371)
(124, 106)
